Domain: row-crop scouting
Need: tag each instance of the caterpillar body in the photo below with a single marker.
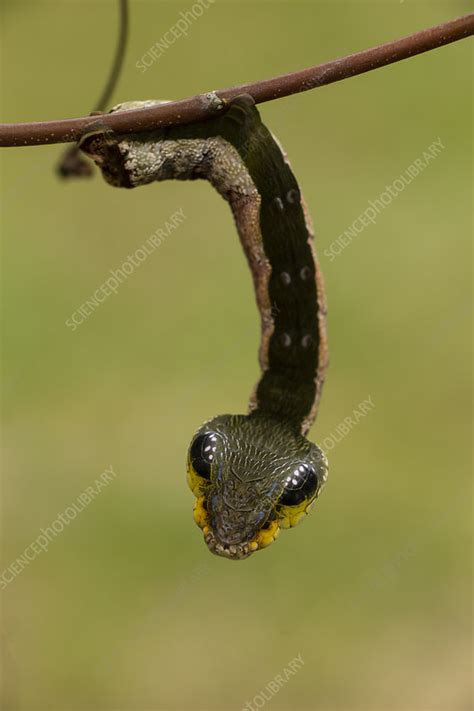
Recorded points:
(257, 473)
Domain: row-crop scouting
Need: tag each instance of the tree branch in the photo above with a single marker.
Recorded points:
(202, 106)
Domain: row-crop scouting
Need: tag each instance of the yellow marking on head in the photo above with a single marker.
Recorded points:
(290, 516)
(266, 536)
(195, 482)
(200, 514)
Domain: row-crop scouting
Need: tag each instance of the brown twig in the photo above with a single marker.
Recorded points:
(199, 107)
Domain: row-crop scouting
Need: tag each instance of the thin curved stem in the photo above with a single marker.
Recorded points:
(200, 107)
(72, 163)
(116, 68)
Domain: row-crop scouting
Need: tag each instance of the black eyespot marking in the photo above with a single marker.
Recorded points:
(299, 485)
(202, 453)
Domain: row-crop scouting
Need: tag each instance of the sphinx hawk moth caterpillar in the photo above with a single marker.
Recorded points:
(257, 473)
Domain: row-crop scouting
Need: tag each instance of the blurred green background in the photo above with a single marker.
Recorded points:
(128, 610)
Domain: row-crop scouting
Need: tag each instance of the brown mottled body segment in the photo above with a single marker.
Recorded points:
(237, 154)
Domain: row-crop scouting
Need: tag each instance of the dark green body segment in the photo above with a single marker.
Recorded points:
(287, 389)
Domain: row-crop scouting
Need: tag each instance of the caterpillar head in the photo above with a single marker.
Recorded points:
(251, 477)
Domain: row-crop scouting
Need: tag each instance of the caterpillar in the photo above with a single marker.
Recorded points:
(252, 474)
